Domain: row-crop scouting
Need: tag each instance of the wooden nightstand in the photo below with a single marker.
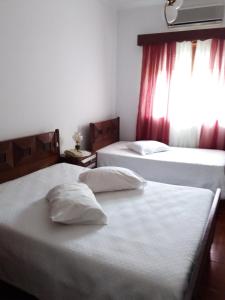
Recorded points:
(89, 161)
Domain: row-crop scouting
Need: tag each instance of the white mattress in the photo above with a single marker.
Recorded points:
(147, 248)
(202, 168)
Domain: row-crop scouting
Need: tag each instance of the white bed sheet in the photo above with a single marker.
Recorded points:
(146, 249)
(202, 168)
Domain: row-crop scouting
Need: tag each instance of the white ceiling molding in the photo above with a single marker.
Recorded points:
(202, 3)
(126, 4)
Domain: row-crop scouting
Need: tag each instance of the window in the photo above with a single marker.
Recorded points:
(182, 98)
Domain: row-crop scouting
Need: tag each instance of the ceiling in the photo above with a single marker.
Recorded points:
(125, 4)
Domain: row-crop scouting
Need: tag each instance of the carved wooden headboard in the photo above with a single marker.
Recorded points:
(22, 156)
(104, 133)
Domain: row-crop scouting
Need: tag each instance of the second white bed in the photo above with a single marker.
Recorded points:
(181, 166)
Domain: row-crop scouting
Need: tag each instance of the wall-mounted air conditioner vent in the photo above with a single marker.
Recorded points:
(200, 15)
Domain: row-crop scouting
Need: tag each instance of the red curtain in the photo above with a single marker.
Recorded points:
(213, 136)
(155, 58)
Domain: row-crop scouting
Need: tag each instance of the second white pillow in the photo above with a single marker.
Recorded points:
(106, 179)
(147, 147)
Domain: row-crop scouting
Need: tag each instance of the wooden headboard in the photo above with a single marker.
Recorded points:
(22, 156)
(104, 133)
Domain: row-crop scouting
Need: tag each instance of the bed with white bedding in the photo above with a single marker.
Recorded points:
(203, 168)
(141, 252)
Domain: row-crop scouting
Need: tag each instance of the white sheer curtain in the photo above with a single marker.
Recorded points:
(195, 94)
(203, 86)
(184, 131)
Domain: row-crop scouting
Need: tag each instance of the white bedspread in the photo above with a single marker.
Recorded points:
(202, 168)
(145, 252)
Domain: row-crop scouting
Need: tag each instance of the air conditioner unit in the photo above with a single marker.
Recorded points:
(199, 15)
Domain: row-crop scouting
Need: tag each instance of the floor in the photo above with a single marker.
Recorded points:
(7, 292)
(213, 281)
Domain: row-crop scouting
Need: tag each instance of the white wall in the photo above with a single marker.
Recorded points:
(133, 22)
(57, 66)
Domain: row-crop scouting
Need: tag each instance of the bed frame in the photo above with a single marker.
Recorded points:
(107, 132)
(104, 133)
(204, 251)
(22, 156)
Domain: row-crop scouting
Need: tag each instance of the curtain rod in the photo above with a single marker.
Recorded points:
(180, 36)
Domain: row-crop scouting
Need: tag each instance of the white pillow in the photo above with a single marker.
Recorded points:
(106, 179)
(147, 147)
(75, 204)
